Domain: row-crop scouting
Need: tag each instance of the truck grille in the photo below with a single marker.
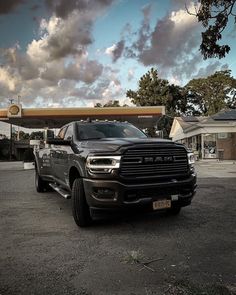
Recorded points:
(156, 161)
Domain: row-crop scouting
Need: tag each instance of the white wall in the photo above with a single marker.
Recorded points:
(5, 129)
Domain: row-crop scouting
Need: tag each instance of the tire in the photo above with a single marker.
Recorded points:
(40, 184)
(80, 208)
(175, 210)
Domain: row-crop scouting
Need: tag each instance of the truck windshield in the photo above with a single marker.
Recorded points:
(89, 131)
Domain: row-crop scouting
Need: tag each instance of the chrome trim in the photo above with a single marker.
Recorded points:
(92, 166)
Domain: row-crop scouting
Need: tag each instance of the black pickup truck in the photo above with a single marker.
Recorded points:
(105, 165)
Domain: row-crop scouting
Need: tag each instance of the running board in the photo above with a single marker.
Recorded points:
(60, 190)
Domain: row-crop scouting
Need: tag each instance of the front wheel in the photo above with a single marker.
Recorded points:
(80, 208)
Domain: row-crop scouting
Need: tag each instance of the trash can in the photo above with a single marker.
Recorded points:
(221, 154)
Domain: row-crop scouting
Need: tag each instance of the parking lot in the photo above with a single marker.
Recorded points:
(42, 251)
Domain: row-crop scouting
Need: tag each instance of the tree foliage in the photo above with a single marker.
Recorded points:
(23, 135)
(208, 96)
(153, 91)
(110, 103)
(37, 135)
(214, 16)
(202, 96)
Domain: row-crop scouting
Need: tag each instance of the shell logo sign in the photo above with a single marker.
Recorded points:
(14, 111)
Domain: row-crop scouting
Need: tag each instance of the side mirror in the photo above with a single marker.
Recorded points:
(58, 141)
(50, 134)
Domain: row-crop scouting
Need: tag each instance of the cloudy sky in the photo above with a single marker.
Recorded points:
(56, 53)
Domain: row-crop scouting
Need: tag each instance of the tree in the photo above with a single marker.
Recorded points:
(2, 136)
(110, 103)
(153, 91)
(98, 105)
(37, 135)
(23, 135)
(214, 16)
(210, 95)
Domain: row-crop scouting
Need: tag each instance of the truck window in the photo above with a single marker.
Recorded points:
(108, 130)
(62, 132)
(69, 133)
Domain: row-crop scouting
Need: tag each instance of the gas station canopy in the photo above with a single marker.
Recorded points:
(143, 117)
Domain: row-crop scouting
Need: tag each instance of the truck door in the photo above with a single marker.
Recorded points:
(67, 151)
(44, 161)
(61, 155)
(57, 155)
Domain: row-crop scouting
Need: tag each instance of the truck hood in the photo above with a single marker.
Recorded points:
(114, 144)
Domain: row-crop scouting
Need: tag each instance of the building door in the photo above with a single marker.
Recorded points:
(210, 151)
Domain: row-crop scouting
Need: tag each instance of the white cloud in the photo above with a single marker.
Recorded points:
(116, 50)
(59, 54)
(130, 74)
(174, 80)
(173, 38)
(182, 18)
(62, 37)
(172, 45)
(110, 50)
(112, 90)
(7, 80)
(36, 51)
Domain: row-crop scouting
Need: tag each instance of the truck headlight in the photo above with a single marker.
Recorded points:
(191, 159)
(102, 164)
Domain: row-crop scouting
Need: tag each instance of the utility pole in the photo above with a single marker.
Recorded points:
(18, 129)
(10, 147)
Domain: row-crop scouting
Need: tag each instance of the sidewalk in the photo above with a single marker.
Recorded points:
(14, 165)
(215, 168)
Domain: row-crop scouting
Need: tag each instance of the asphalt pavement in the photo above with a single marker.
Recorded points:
(42, 251)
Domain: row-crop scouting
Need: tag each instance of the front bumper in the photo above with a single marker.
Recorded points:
(111, 194)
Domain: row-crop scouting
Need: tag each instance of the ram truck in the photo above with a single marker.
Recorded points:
(108, 166)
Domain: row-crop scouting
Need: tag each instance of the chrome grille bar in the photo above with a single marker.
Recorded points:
(165, 161)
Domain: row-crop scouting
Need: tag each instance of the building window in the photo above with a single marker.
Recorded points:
(210, 146)
(223, 135)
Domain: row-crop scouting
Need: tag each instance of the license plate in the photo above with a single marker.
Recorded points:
(161, 204)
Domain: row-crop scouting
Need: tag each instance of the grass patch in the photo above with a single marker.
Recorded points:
(133, 256)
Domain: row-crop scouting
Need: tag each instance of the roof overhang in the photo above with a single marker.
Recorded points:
(143, 117)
